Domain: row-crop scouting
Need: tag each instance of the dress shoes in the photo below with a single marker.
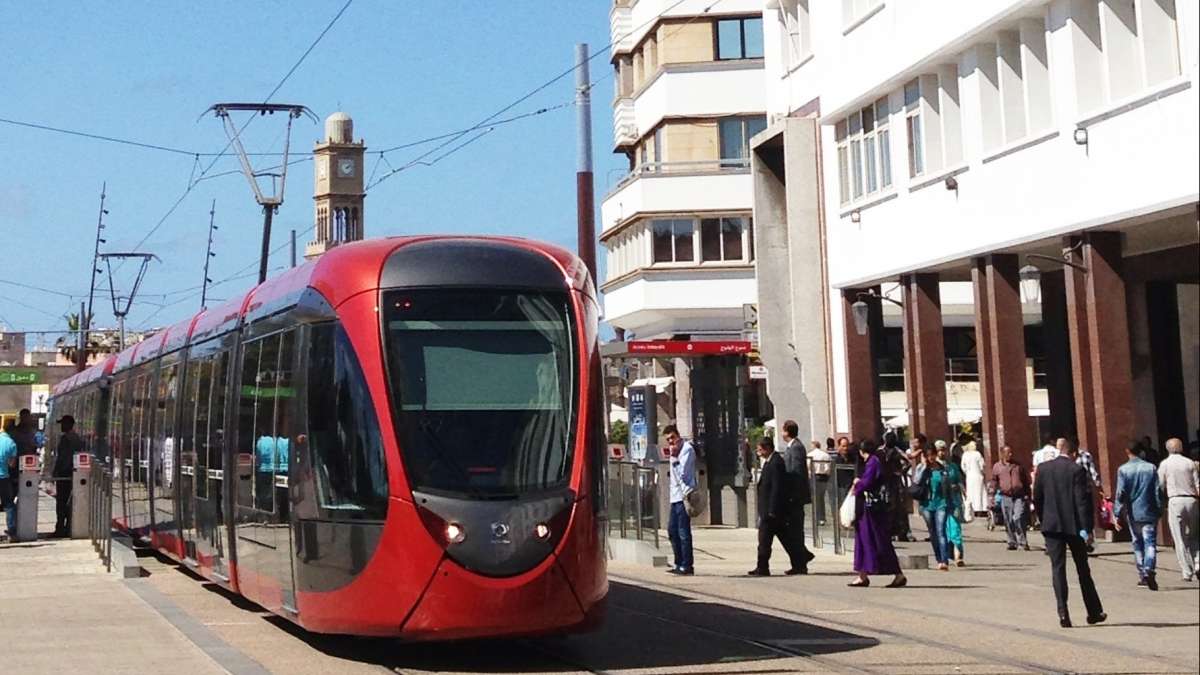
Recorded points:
(796, 570)
(1099, 618)
(758, 573)
(1065, 621)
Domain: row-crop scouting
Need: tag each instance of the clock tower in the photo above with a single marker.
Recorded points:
(338, 193)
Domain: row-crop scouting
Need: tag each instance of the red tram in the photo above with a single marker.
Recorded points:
(402, 438)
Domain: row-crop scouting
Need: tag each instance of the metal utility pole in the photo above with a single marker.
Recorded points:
(293, 248)
(85, 317)
(212, 212)
(120, 303)
(585, 198)
(269, 202)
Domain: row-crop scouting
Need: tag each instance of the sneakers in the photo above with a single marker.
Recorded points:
(1012, 547)
(681, 572)
(1151, 582)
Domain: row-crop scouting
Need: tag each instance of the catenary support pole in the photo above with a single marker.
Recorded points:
(293, 248)
(85, 317)
(584, 183)
(268, 214)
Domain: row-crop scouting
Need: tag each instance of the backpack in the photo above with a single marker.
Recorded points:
(919, 488)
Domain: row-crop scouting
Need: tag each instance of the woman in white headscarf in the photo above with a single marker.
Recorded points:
(973, 473)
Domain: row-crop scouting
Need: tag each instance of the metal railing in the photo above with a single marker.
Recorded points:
(696, 167)
(830, 483)
(633, 502)
(100, 488)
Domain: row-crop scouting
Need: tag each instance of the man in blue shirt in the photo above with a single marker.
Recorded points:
(8, 467)
(1138, 499)
(683, 481)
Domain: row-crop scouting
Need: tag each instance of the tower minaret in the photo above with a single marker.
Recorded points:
(338, 194)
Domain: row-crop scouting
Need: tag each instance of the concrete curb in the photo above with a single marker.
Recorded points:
(124, 560)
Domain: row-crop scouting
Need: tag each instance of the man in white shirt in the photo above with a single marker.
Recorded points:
(1180, 479)
(1049, 450)
(820, 460)
(683, 481)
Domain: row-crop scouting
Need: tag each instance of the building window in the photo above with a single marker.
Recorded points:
(673, 241)
(912, 123)
(797, 32)
(864, 152)
(721, 239)
(853, 10)
(735, 134)
(739, 39)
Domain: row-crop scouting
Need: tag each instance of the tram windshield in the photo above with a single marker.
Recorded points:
(483, 388)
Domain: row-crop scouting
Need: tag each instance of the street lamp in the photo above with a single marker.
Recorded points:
(1031, 282)
(861, 311)
(1031, 277)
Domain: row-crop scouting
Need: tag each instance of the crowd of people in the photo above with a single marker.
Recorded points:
(1060, 494)
(22, 437)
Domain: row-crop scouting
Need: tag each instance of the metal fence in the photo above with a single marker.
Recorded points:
(100, 488)
(633, 502)
(830, 484)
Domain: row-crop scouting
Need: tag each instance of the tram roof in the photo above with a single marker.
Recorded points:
(339, 274)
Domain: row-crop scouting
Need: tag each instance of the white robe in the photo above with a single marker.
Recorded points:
(972, 464)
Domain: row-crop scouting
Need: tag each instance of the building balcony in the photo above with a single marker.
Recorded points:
(620, 21)
(679, 187)
(625, 129)
(661, 301)
(708, 89)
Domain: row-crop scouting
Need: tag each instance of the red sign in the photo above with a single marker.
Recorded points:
(689, 347)
(617, 451)
(83, 461)
(29, 463)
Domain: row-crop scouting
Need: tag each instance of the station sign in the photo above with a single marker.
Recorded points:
(758, 372)
(690, 347)
(22, 376)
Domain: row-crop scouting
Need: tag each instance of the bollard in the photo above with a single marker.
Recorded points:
(81, 502)
(28, 482)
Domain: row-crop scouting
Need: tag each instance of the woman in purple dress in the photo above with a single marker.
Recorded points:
(873, 551)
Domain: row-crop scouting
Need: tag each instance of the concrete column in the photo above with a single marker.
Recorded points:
(862, 367)
(925, 351)
(983, 352)
(1108, 333)
(1141, 369)
(1076, 282)
(1055, 336)
(1189, 351)
(683, 397)
(1006, 369)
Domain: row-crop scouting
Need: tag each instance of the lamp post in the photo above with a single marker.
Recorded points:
(1031, 276)
(861, 311)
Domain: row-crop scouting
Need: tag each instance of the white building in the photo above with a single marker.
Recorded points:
(677, 228)
(928, 145)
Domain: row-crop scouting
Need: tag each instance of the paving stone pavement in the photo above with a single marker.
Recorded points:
(995, 615)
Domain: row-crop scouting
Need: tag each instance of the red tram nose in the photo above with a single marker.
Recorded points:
(498, 537)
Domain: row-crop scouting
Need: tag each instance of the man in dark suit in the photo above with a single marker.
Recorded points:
(795, 462)
(1062, 494)
(773, 507)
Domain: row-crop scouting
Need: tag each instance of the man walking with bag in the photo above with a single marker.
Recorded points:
(683, 481)
(1062, 495)
(799, 492)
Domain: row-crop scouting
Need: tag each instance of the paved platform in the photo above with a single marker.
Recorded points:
(996, 615)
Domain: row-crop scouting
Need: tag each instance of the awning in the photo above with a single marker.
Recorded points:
(660, 383)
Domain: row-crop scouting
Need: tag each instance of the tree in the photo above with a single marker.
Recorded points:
(618, 433)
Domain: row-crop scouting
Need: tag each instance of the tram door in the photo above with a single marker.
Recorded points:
(210, 450)
(166, 464)
(266, 424)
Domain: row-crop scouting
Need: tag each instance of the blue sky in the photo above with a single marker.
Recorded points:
(146, 71)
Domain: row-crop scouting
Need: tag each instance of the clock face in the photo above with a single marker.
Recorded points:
(345, 168)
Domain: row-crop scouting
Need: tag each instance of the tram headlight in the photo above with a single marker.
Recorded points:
(542, 531)
(455, 534)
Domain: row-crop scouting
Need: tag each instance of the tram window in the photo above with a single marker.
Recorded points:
(203, 382)
(216, 414)
(264, 424)
(187, 449)
(343, 431)
(247, 407)
(168, 392)
(285, 395)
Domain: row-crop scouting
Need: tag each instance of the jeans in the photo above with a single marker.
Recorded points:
(936, 522)
(6, 504)
(679, 530)
(1145, 551)
(1183, 517)
(1014, 520)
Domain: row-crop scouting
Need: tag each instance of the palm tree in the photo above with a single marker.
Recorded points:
(98, 342)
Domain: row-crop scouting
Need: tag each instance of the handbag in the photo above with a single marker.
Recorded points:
(846, 512)
(968, 513)
(919, 488)
(694, 502)
(1108, 521)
